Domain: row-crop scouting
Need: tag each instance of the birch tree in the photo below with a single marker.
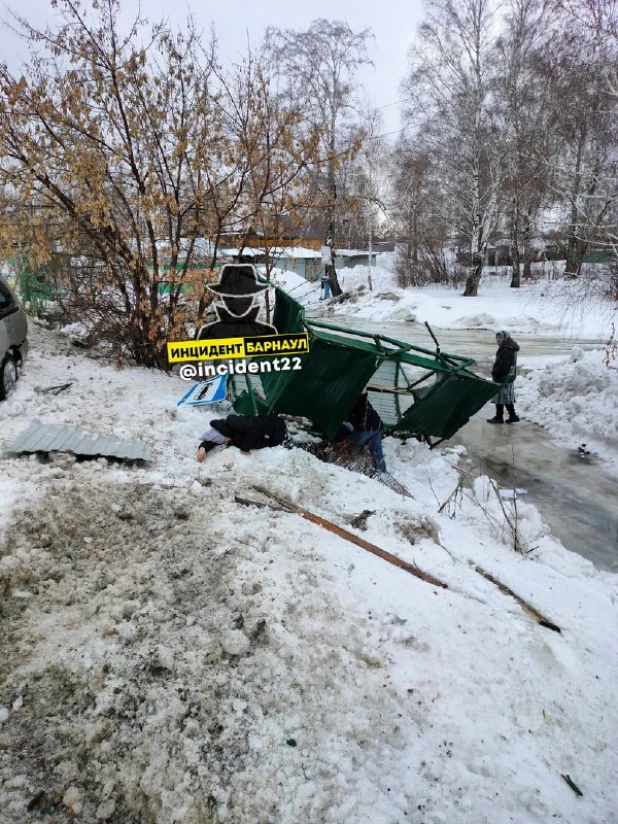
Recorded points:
(593, 193)
(584, 122)
(317, 69)
(523, 96)
(450, 86)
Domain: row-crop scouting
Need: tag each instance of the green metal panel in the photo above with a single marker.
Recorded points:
(331, 380)
(324, 390)
(34, 288)
(407, 352)
(164, 287)
(441, 409)
(289, 314)
(341, 362)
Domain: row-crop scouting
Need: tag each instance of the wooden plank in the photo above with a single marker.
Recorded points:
(354, 539)
(527, 608)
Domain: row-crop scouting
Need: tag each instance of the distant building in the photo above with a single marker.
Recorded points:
(303, 261)
(347, 258)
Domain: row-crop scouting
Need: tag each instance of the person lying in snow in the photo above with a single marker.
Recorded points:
(504, 371)
(243, 432)
(365, 426)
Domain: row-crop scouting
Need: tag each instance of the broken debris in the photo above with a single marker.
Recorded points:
(42, 437)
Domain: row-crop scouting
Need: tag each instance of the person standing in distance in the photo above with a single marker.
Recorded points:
(504, 371)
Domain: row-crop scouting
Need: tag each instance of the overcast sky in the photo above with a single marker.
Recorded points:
(393, 23)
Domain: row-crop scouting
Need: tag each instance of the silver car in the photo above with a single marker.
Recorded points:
(13, 338)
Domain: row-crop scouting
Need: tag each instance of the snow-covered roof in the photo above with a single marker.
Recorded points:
(297, 252)
(202, 247)
(228, 251)
(294, 252)
(352, 253)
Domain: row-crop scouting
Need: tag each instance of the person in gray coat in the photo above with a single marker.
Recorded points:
(504, 371)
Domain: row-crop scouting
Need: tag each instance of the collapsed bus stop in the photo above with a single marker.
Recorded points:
(416, 391)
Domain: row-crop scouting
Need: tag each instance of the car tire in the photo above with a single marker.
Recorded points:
(8, 376)
(19, 363)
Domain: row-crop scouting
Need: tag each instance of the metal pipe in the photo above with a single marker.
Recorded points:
(401, 345)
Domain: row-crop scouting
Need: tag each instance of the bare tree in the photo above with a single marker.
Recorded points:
(109, 133)
(449, 87)
(277, 154)
(584, 120)
(365, 186)
(317, 68)
(513, 121)
(593, 173)
(523, 99)
(422, 216)
(137, 147)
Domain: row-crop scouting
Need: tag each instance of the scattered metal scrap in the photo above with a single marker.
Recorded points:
(41, 437)
(288, 506)
(53, 390)
(349, 456)
(416, 391)
(572, 785)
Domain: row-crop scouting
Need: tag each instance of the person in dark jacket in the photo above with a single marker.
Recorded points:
(245, 433)
(504, 372)
(366, 427)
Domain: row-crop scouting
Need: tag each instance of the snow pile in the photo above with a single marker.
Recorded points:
(292, 283)
(383, 278)
(576, 399)
(77, 331)
(556, 307)
(185, 647)
(174, 654)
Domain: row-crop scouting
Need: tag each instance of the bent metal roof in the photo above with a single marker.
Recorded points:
(44, 437)
(415, 390)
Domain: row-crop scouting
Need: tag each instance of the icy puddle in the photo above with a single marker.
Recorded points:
(576, 498)
(478, 344)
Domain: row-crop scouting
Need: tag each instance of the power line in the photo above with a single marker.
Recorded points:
(386, 105)
(387, 134)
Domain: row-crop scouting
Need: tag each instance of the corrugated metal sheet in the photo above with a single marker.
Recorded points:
(288, 315)
(325, 390)
(45, 437)
(386, 402)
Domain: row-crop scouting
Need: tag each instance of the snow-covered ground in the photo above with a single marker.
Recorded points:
(552, 307)
(576, 399)
(171, 655)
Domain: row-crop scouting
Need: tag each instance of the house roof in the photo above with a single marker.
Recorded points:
(352, 253)
(294, 252)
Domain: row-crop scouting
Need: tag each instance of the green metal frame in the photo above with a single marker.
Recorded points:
(342, 361)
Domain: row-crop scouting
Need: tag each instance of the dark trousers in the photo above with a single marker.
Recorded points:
(510, 408)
